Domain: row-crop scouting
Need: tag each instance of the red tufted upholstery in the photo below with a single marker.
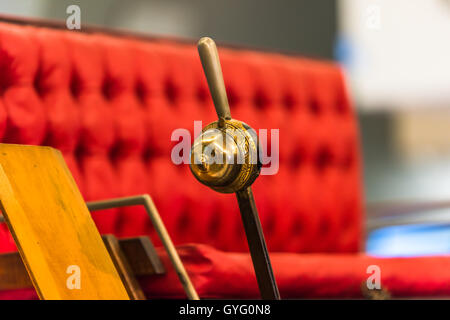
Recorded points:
(110, 105)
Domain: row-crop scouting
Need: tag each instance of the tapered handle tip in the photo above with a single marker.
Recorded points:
(205, 41)
(211, 66)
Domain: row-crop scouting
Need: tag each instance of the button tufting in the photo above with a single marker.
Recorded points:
(111, 104)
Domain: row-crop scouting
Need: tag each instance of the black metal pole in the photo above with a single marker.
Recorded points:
(257, 245)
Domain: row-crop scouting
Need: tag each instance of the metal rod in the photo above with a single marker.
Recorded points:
(211, 66)
(152, 212)
(257, 245)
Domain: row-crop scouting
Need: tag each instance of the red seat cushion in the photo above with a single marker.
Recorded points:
(218, 274)
(227, 275)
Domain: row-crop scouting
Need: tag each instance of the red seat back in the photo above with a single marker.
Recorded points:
(110, 104)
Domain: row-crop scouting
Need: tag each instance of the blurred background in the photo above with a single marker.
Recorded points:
(396, 55)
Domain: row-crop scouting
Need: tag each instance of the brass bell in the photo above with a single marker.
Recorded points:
(225, 158)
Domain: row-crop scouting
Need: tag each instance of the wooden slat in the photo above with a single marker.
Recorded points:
(52, 226)
(126, 274)
(142, 256)
(13, 274)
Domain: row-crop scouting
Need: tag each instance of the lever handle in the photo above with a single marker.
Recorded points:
(231, 177)
(211, 66)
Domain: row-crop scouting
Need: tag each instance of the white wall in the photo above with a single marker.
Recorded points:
(27, 8)
(397, 52)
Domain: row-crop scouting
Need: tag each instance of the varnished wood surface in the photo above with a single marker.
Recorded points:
(52, 226)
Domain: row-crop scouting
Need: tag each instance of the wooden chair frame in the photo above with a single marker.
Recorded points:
(115, 248)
